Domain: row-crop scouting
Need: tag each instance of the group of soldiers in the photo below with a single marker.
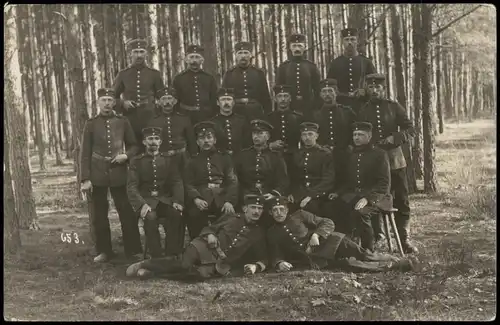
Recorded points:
(255, 186)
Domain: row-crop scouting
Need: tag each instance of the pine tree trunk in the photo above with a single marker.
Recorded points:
(387, 57)
(463, 91)
(448, 85)
(176, 38)
(237, 23)
(17, 144)
(95, 75)
(153, 32)
(208, 40)
(74, 59)
(272, 24)
(228, 30)
(439, 65)
(430, 181)
(37, 102)
(12, 105)
(417, 99)
(268, 39)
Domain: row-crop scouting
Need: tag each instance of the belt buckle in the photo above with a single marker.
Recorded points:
(308, 184)
(299, 97)
(170, 152)
(244, 100)
(154, 193)
(258, 185)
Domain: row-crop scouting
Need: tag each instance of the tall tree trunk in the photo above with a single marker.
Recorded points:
(153, 32)
(357, 20)
(387, 57)
(208, 40)
(176, 38)
(417, 99)
(12, 105)
(439, 65)
(464, 92)
(237, 23)
(37, 108)
(447, 85)
(430, 181)
(268, 36)
(74, 59)
(228, 30)
(17, 141)
(310, 32)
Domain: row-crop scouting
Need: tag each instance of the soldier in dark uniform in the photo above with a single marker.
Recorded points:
(211, 184)
(104, 166)
(350, 68)
(302, 74)
(312, 173)
(249, 83)
(196, 89)
(392, 128)
(234, 127)
(307, 239)
(335, 122)
(285, 136)
(178, 139)
(235, 240)
(367, 183)
(156, 192)
(138, 85)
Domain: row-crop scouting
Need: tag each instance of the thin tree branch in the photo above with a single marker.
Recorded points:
(381, 19)
(442, 29)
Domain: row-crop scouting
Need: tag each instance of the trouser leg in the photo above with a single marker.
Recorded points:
(196, 221)
(399, 189)
(152, 235)
(190, 257)
(339, 212)
(101, 220)
(363, 222)
(173, 224)
(128, 220)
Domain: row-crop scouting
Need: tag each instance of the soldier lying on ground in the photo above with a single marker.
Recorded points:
(234, 240)
(309, 239)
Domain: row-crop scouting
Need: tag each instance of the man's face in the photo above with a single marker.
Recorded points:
(138, 56)
(279, 213)
(376, 90)
(106, 104)
(297, 48)
(328, 94)
(260, 137)
(283, 100)
(152, 142)
(167, 103)
(361, 137)
(226, 104)
(194, 60)
(350, 43)
(309, 138)
(206, 141)
(243, 57)
(252, 212)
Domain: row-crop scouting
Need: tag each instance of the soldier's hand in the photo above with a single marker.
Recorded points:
(228, 208)
(211, 241)
(86, 186)
(151, 215)
(120, 158)
(389, 139)
(128, 104)
(305, 201)
(178, 207)
(144, 210)
(361, 204)
(360, 92)
(201, 204)
(314, 241)
(250, 269)
(332, 196)
(284, 266)
(291, 199)
(278, 144)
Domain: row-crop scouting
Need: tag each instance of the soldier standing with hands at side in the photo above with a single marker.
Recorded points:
(104, 166)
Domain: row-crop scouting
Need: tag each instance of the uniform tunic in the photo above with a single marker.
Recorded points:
(350, 72)
(286, 127)
(138, 83)
(305, 77)
(177, 132)
(236, 133)
(335, 125)
(104, 137)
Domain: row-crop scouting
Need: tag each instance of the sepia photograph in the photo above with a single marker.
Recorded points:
(250, 162)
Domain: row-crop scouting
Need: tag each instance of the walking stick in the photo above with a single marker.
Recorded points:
(87, 195)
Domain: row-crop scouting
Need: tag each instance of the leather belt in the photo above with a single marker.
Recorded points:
(98, 156)
(174, 152)
(213, 185)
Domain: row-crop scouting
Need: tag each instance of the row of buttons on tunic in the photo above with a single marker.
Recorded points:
(292, 236)
(108, 135)
(169, 129)
(235, 240)
(305, 169)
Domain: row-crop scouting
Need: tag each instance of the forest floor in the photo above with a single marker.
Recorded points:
(454, 230)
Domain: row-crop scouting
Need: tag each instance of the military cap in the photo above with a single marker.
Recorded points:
(204, 127)
(225, 92)
(297, 38)
(137, 44)
(375, 79)
(254, 199)
(309, 126)
(166, 91)
(362, 126)
(195, 49)
(151, 130)
(243, 46)
(106, 92)
(261, 125)
(332, 83)
(282, 89)
(278, 200)
(349, 32)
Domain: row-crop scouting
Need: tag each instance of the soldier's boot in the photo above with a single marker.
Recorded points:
(404, 264)
(101, 258)
(404, 230)
(378, 233)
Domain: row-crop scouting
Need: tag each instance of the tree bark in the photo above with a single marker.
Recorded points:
(12, 105)
(176, 39)
(448, 85)
(439, 63)
(268, 39)
(417, 103)
(208, 40)
(16, 131)
(430, 181)
(153, 32)
(387, 57)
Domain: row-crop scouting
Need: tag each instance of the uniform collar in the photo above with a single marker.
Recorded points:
(225, 116)
(330, 107)
(139, 66)
(297, 58)
(362, 148)
(208, 152)
(113, 114)
(311, 148)
(263, 148)
(285, 111)
(151, 155)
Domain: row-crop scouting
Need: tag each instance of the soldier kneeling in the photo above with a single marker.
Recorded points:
(236, 239)
(305, 238)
